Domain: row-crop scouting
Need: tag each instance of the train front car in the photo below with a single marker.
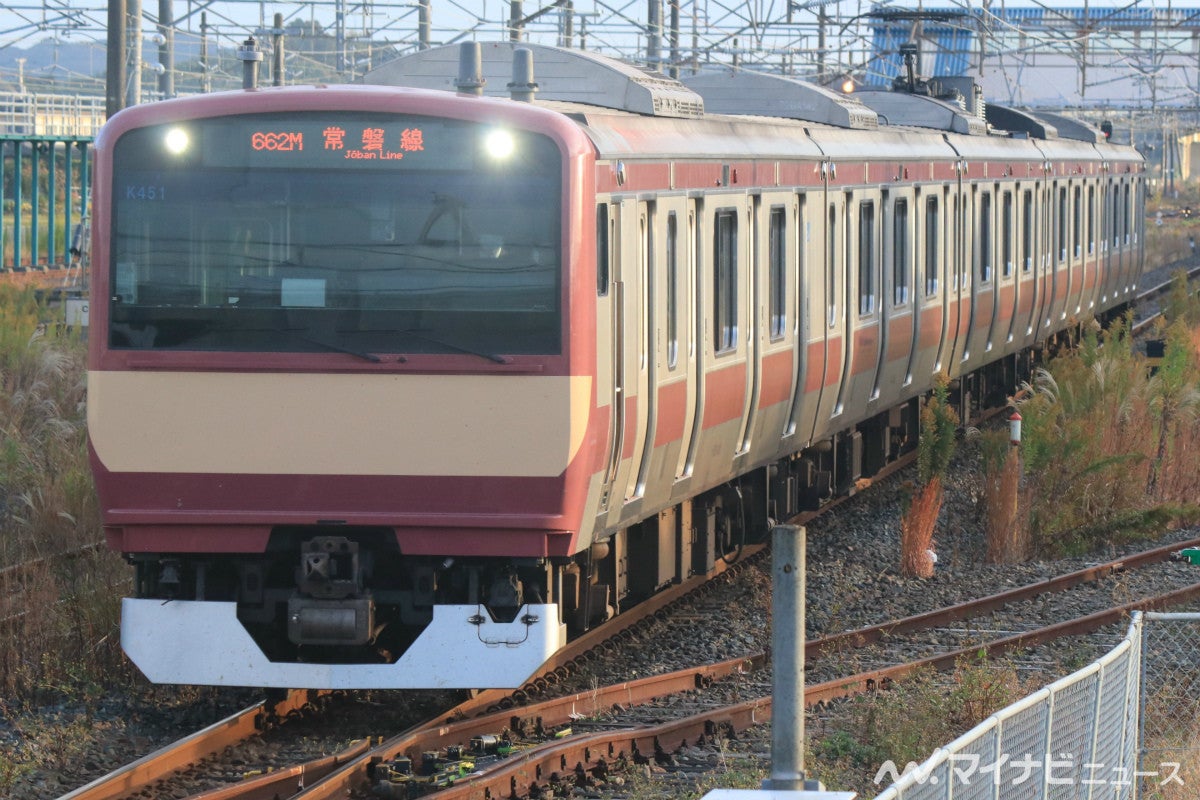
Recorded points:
(337, 420)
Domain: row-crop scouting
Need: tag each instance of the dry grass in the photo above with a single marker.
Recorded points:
(61, 631)
(935, 449)
(1007, 532)
(908, 722)
(916, 530)
(1107, 447)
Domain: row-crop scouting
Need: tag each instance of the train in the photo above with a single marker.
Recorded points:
(403, 383)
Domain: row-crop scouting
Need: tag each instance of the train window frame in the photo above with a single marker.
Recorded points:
(933, 230)
(671, 244)
(1027, 231)
(953, 231)
(1127, 214)
(1006, 235)
(603, 249)
(984, 240)
(831, 264)
(777, 280)
(725, 280)
(1091, 219)
(1078, 221)
(901, 261)
(1061, 243)
(866, 258)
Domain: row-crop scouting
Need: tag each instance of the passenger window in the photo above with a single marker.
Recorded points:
(1062, 224)
(1027, 231)
(900, 256)
(1006, 234)
(985, 237)
(602, 250)
(725, 300)
(831, 267)
(932, 246)
(866, 258)
(672, 290)
(777, 230)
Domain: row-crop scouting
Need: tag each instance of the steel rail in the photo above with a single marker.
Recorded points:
(560, 665)
(186, 752)
(942, 616)
(1142, 325)
(286, 782)
(523, 774)
(552, 713)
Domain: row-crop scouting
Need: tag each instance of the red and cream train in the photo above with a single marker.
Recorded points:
(393, 387)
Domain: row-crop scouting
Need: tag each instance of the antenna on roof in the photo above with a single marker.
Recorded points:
(470, 69)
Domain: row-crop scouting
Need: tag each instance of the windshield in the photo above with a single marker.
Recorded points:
(336, 232)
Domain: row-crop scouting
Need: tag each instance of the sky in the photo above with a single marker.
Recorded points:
(612, 26)
(26, 22)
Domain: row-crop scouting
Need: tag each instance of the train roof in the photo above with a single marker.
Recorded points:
(628, 111)
(761, 94)
(576, 76)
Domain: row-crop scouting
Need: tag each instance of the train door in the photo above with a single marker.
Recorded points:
(1124, 206)
(1046, 258)
(695, 294)
(862, 289)
(961, 312)
(755, 331)
(804, 327)
(885, 285)
(833, 321)
(847, 283)
(1031, 289)
(1104, 269)
(1009, 288)
(949, 286)
(1091, 264)
(1078, 275)
(778, 352)
(611, 332)
(1060, 255)
(678, 400)
(898, 324)
(984, 279)
(646, 348)
(931, 303)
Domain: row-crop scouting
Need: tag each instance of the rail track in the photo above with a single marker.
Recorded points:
(357, 766)
(496, 713)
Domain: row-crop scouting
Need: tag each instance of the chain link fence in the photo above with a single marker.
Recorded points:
(1170, 707)
(1076, 739)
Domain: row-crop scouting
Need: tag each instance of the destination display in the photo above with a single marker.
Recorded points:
(339, 140)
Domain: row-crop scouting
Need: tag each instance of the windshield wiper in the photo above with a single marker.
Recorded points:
(413, 332)
(374, 359)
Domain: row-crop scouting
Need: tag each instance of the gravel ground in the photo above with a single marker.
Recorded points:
(853, 581)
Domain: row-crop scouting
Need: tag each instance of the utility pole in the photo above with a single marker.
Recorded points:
(166, 48)
(423, 23)
(822, 21)
(114, 84)
(654, 35)
(674, 39)
(133, 19)
(277, 51)
(340, 34)
(515, 15)
(205, 72)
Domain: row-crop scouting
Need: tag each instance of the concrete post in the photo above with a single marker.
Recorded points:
(787, 659)
(787, 656)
